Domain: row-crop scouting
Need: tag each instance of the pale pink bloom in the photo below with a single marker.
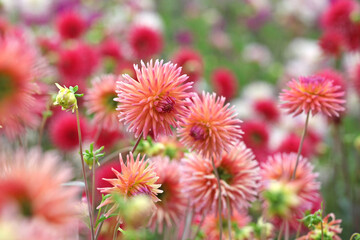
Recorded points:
(156, 101)
(276, 173)
(100, 101)
(315, 94)
(239, 176)
(172, 206)
(32, 194)
(211, 127)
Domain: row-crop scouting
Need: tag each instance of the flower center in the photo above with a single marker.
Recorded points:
(7, 86)
(198, 132)
(109, 101)
(26, 207)
(165, 105)
(224, 174)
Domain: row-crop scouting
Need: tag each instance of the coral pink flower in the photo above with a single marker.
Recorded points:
(64, 133)
(172, 206)
(267, 109)
(19, 67)
(211, 225)
(32, 195)
(156, 102)
(239, 176)
(330, 227)
(137, 176)
(297, 195)
(191, 63)
(224, 83)
(315, 94)
(70, 25)
(145, 42)
(100, 102)
(211, 127)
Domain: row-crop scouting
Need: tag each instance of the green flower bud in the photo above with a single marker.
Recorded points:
(66, 98)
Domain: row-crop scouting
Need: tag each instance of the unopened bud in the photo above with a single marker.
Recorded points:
(66, 98)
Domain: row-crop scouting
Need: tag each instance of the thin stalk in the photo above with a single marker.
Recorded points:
(281, 230)
(100, 224)
(116, 231)
(188, 221)
(93, 186)
(298, 232)
(322, 231)
(219, 202)
(301, 144)
(287, 232)
(43, 122)
(85, 178)
(229, 216)
(137, 143)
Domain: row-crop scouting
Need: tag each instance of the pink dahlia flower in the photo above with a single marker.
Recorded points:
(296, 195)
(239, 176)
(137, 176)
(315, 94)
(211, 127)
(156, 101)
(100, 102)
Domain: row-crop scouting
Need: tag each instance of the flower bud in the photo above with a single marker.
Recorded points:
(138, 211)
(66, 98)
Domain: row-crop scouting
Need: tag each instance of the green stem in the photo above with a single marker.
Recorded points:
(116, 230)
(301, 144)
(199, 225)
(84, 175)
(137, 143)
(219, 196)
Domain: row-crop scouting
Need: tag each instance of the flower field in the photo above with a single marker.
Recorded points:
(179, 120)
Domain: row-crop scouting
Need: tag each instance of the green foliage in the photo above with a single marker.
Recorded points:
(311, 220)
(90, 155)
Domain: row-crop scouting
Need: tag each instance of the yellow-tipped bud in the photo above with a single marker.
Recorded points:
(66, 98)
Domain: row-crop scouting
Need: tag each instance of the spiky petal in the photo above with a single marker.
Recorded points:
(156, 101)
(211, 127)
(315, 94)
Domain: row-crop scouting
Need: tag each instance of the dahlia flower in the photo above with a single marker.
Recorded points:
(225, 83)
(64, 133)
(33, 197)
(137, 176)
(239, 175)
(70, 25)
(331, 229)
(315, 94)
(173, 202)
(100, 102)
(19, 67)
(238, 222)
(211, 127)
(157, 101)
(267, 109)
(145, 42)
(191, 63)
(296, 195)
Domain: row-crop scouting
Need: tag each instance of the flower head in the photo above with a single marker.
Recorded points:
(173, 202)
(315, 94)
(156, 101)
(100, 101)
(70, 25)
(32, 194)
(225, 83)
(211, 127)
(191, 63)
(137, 176)
(66, 98)
(239, 175)
(145, 41)
(286, 199)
